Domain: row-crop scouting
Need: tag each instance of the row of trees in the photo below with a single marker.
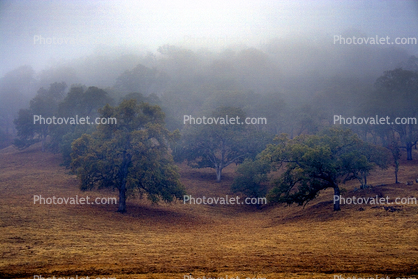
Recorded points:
(117, 155)
(53, 102)
(133, 156)
(310, 164)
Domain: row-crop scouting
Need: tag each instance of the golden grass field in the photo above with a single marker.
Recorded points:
(176, 240)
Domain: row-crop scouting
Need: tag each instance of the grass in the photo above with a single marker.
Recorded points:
(174, 240)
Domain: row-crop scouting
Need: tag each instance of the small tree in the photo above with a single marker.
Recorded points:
(396, 155)
(315, 163)
(219, 145)
(376, 155)
(131, 155)
(252, 178)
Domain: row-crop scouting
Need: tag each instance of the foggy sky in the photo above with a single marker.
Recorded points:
(100, 26)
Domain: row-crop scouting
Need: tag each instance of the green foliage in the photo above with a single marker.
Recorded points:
(318, 162)
(396, 96)
(396, 155)
(217, 146)
(45, 104)
(152, 99)
(25, 129)
(67, 138)
(129, 156)
(82, 102)
(252, 178)
(142, 79)
(377, 156)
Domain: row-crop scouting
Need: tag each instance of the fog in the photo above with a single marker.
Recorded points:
(108, 27)
(155, 101)
(191, 50)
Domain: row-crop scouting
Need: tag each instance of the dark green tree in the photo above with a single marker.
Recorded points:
(81, 102)
(315, 163)
(252, 178)
(44, 104)
(129, 156)
(26, 130)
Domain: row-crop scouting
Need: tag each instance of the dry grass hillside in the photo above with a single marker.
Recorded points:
(184, 241)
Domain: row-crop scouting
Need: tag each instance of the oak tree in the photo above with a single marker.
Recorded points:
(132, 155)
(314, 163)
(220, 144)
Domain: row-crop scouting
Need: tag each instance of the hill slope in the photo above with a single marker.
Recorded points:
(173, 240)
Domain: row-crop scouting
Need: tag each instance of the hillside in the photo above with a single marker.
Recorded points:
(174, 240)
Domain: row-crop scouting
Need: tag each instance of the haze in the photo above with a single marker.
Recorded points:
(307, 109)
(134, 26)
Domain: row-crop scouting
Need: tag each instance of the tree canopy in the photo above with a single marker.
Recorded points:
(252, 179)
(317, 162)
(80, 101)
(396, 96)
(44, 104)
(219, 145)
(129, 156)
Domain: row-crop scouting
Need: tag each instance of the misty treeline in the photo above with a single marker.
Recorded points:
(298, 88)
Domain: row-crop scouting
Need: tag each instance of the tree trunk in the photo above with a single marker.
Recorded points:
(337, 203)
(123, 177)
(363, 181)
(396, 171)
(218, 174)
(409, 151)
(122, 199)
